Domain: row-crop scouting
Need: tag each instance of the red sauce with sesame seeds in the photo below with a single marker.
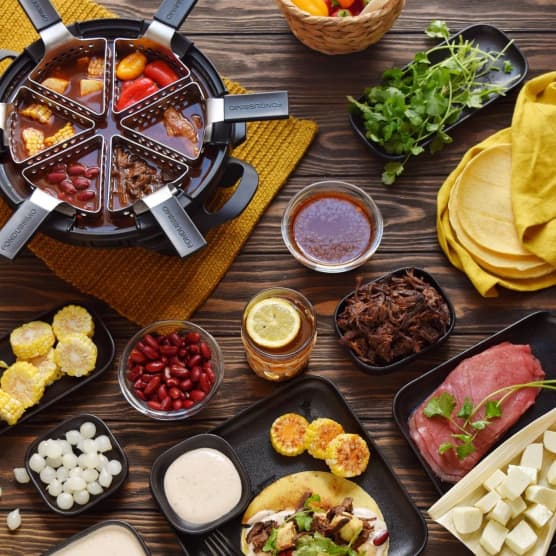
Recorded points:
(332, 228)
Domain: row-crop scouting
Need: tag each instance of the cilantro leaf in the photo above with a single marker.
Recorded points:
(391, 171)
(493, 409)
(317, 544)
(442, 405)
(466, 408)
(270, 544)
(303, 521)
(445, 447)
(465, 449)
(479, 425)
(508, 67)
(437, 29)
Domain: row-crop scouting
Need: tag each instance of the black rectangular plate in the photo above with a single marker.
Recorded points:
(312, 397)
(487, 38)
(538, 330)
(67, 384)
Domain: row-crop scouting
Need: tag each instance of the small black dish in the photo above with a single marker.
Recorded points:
(161, 464)
(64, 386)
(387, 368)
(90, 530)
(486, 37)
(59, 432)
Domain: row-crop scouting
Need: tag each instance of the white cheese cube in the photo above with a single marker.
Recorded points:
(531, 471)
(501, 512)
(521, 538)
(467, 519)
(517, 505)
(488, 501)
(494, 480)
(514, 484)
(493, 537)
(551, 474)
(532, 456)
(538, 515)
(549, 441)
(542, 495)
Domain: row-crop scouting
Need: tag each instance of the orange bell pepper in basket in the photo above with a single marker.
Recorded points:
(314, 7)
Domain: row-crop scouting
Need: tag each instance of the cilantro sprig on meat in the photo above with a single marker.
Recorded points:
(444, 406)
(418, 102)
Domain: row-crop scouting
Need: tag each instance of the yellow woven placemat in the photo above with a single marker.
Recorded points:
(140, 284)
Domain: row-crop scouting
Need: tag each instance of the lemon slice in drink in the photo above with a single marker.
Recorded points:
(273, 322)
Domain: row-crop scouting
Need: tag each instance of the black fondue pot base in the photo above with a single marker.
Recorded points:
(118, 224)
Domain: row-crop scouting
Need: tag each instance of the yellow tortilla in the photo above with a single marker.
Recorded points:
(481, 215)
(290, 492)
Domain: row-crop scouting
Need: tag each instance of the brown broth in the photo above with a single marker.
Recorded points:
(332, 228)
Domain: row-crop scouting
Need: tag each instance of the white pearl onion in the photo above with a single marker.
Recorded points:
(53, 449)
(76, 472)
(42, 448)
(81, 497)
(69, 461)
(62, 473)
(64, 501)
(105, 479)
(54, 487)
(73, 437)
(54, 462)
(37, 463)
(21, 475)
(47, 475)
(103, 443)
(13, 519)
(94, 488)
(88, 429)
(90, 475)
(114, 467)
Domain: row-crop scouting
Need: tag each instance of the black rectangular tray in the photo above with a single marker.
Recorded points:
(537, 329)
(312, 397)
(486, 37)
(67, 384)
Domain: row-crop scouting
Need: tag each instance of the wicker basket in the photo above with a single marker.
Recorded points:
(342, 35)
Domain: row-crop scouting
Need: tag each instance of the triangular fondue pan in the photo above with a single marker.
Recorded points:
(312, 397)
(537, 329)
(57, 186)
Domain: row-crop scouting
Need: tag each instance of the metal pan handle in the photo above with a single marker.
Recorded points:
(175, 222)
(236, 204)
(25, 221)
(173, 12)
(41, 13)
(256, 106)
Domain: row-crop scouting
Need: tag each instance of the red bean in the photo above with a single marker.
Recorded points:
(153, 384)
(204, 383)
(138, 384)
(140, 394)
(172, 382)
(192, 337)
(154, 366)
(182, 352)
(197, 395)
(187, 404)
(166, 404)
(169, 350)
(179, 371)
(76, 169)
(92, 172)
(80, 183)
(194, 361)
(135, 373)
(55, 177)
(154, 405)
(195, 373)
(162, 392)
(174, 339)
(174, 393)
(178, 404)
(150, 352)
(136, 356)
(381, 538)
(150, 340)
(67, 187)
(205, 350)
(186, 385)
(166, 374)
(193, 349)
(210, 374)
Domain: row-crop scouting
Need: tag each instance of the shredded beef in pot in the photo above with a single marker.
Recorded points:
(390, 319)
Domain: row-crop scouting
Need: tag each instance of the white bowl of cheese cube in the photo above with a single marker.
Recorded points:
(506, 505)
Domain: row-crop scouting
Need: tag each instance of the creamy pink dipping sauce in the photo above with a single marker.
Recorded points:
(108, 540)
(202, 485)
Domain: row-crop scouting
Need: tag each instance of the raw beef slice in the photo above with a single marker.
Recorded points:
(477, 377)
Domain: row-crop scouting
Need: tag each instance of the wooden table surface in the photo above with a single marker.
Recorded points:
(250, 42)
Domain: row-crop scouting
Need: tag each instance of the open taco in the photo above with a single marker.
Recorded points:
(314, 513)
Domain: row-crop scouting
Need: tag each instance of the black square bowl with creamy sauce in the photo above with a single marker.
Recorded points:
(193, 474)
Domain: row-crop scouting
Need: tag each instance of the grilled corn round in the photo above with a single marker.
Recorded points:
(319, 434)
(73, 319)
(347, 455)
(287, 433)
(76, 355)
(31, 339)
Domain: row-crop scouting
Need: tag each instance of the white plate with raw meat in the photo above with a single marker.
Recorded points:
(451, 398)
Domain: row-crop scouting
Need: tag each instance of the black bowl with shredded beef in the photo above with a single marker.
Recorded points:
(388, 322)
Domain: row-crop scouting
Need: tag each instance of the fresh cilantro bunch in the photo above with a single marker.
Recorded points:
(468, 427)
(416, 103)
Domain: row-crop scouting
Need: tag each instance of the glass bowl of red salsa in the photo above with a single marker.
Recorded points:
(332, 226)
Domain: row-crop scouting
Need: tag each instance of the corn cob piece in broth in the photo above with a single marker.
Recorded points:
(32, 339)
(39, 112)
(33, 139)
(23, 382)
(95, 67)
(63, 134)
(11, 409)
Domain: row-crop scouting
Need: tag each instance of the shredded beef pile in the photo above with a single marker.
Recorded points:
(390, 319)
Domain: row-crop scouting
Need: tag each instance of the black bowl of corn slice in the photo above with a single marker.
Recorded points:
(48, 357)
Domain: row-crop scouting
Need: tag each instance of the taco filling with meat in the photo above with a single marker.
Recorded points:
(314, 514)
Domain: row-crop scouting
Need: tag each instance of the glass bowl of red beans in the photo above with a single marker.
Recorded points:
(170, 370)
